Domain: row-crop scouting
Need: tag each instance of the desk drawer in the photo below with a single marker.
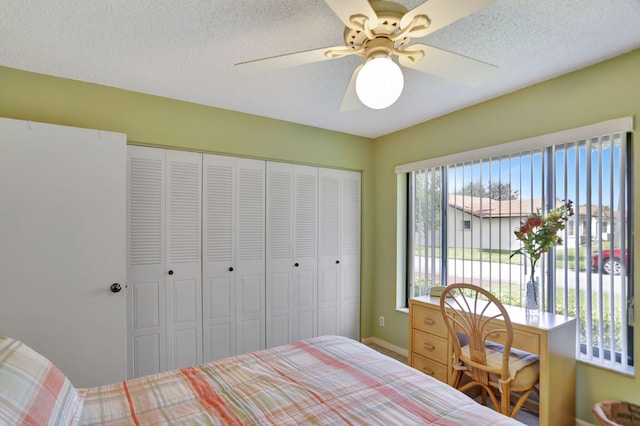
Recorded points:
(430, 346)
(522, 340)
(429, 320)
(430, 367)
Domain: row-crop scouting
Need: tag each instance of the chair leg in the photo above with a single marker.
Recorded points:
(521, 401)
(505, 396)
(492, 396)
(455, 378)
(486, 390)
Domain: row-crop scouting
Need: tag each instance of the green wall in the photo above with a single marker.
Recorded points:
(601, 92)
(604, 91)
(164, 122)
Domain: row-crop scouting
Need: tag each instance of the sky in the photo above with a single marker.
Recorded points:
(526, 171)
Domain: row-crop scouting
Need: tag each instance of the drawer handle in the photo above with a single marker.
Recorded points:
(429, 347)
(429, 321)
(429, 372)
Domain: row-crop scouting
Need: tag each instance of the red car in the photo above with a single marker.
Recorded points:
(611, 261)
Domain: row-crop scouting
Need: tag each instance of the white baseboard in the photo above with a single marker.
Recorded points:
(386, 345)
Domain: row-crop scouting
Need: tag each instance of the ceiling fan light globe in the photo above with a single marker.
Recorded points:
(379, 83)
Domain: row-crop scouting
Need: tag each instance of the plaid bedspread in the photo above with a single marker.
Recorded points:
(321, 381)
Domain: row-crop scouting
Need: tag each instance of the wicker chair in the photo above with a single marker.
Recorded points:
(476, 315)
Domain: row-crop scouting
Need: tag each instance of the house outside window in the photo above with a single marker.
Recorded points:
(588, 276)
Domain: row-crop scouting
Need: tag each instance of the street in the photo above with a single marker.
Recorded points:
(494, 273)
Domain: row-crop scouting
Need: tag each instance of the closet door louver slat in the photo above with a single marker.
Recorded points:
(146, 197)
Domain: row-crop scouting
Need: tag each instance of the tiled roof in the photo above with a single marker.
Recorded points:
(488, 208)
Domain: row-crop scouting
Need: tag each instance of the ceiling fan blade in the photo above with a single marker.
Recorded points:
(442, 13)
(345, 9)
(293, 59)
(350, 99)
(448, 65)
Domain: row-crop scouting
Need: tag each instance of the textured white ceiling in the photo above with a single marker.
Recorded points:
(187, 50)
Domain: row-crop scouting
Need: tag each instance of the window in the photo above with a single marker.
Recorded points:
(588, 276)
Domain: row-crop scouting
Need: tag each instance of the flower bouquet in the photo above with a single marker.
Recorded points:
(538, 234)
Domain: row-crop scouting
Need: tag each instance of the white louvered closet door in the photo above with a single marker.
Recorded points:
(329, 267)
(146, 278)
(218, 275)
(279, 266)
(305, 267)
(250, 255)
(291, 253)
(164, 305)
(234, 258)
(350, 259)
(184, 267)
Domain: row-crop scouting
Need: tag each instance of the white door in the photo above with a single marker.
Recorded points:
(219, 262)
(305, 266)
(329, 270)
(279, 266)
(62, 245)
(164, 303)
(250, 255)
(233, 256)
(291, 253)
(184, 267)
(146, 270)
(350, 250)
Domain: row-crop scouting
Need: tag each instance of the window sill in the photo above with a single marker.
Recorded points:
(628, 371)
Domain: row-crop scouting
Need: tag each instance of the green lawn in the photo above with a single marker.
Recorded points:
(504, 256)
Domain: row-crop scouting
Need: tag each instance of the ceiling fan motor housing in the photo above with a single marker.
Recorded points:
(389, 15)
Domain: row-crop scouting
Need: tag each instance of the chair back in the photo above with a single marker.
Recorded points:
(479, 315)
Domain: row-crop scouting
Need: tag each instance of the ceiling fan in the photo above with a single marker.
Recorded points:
(378, 30)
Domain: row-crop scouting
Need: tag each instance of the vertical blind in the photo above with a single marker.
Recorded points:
(462, 218)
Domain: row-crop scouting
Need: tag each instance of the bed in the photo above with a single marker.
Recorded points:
(326, 380)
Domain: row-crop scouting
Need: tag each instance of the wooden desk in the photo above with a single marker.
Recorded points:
(551, 336)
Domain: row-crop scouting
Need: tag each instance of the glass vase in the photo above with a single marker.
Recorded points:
(532, 297)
